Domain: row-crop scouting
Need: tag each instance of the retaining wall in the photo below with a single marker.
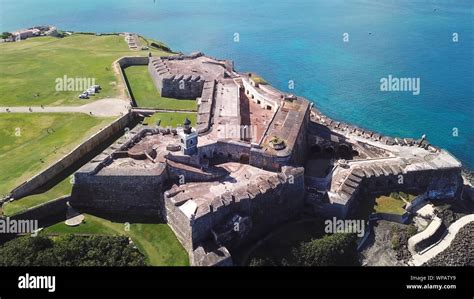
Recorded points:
(28, 187)
(125, 62)
(46, 214)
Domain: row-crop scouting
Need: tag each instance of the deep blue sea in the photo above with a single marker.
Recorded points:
(302, 41)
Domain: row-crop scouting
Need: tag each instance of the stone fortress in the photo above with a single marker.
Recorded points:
(256, 157)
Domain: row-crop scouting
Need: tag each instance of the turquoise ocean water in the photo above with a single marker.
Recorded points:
(302, 41)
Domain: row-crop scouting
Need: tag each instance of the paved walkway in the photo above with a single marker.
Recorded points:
(453, 229)
(104, 108)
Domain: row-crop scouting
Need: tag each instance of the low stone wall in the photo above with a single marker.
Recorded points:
(402, 219)
(427, 237)
(441, 246)
(46, 214)
(125, 62)
(75, 155)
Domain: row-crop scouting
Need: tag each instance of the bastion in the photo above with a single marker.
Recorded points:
(256, 158)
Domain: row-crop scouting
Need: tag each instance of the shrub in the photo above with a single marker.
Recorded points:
(331, 250)
(160, 47)
(70, 250)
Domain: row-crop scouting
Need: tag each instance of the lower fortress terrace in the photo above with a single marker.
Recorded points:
(256, 157)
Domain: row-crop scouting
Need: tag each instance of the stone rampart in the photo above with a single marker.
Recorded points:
(120, 194)
(75, 155)
(172, 85)
(125, 62)
(262, 205)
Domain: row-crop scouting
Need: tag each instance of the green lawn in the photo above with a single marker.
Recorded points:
(146, 94)
(170, 119)
(17, 206)
(29, 68)
(258, 80)
(29, 143)
(388, 204)
(156, 241)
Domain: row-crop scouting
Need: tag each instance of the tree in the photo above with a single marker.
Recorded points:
(6, 35)
(331, 250)
(70, 250)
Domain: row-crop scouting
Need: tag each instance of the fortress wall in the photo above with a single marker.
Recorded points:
(125, 62)
(180, 224)
(203, 121)
(120, 194)
(440, 180)
(75, 155)
(222, 149)
(46, 213)
(217, 257)
(437, 183)
(181, 88)
(300, 146)
(264, 204)
(252, 93)
(176, 171)
(260, 159)
(329, 210)
(178, 86)
(156, 77)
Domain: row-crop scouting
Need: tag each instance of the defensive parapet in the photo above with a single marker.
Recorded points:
(120, 189)
(381, 165)
(205, 101)
(184, 76)
(253, 208)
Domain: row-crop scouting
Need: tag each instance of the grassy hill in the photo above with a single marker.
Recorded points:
(156, 241)
(29, 68)
(29, 143)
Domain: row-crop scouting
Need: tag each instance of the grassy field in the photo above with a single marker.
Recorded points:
(170, 119)
(29, 68)
(146, 95)
(388, 204)
(156, 241)
(17, 206)
(29, 143)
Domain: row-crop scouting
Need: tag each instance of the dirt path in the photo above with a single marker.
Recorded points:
(103, 108)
